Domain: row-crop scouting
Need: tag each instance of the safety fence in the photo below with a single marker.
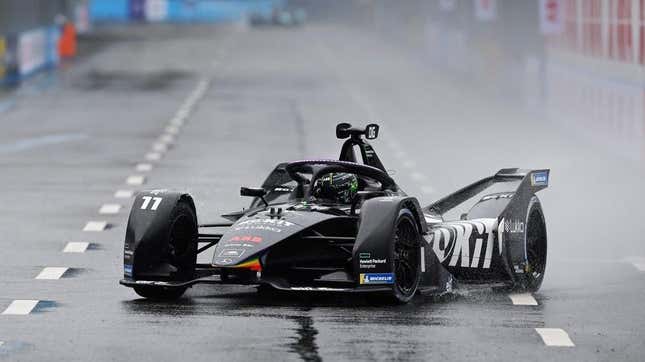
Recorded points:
(25, 52)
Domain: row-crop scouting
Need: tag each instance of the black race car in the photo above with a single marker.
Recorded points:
(344, 226)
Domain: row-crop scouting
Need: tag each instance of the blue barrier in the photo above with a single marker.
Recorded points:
(109, 10)
(180, 10)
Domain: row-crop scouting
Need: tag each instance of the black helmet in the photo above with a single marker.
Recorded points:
(339, 187)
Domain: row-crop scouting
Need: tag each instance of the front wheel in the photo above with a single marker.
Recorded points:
(406, 257)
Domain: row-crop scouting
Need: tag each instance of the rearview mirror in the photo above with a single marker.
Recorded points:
(252, 191)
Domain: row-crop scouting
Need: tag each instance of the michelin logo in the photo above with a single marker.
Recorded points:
(377, 278)
(127, 270)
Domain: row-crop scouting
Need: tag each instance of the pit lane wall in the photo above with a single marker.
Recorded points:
(577, 63)
(178, 11)
(26, 49)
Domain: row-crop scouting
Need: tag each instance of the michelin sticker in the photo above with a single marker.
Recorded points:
(376, 278)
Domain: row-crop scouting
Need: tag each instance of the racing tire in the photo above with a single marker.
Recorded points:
(181, 253)
(536, 247)
(406, 258)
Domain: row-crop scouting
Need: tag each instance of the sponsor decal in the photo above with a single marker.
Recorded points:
(452, 242)
(240, 245)
(259, 227)
(513, 226)
(364, 255)
(274, 222)
(282, 189)
(253, 239)
(540, 178)
(376, 278)
(274, 225)
(224, 261)
(127, 269)
(231, 253)
(499, 196)
(370, 263)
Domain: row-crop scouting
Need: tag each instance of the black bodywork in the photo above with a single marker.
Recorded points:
(288, 240)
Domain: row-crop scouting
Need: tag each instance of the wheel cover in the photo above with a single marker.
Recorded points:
(406, 257)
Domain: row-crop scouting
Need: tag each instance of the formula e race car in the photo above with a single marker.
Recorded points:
(344, 226)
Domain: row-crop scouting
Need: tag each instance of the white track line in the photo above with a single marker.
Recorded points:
(52, 273)
(143, 167)
(123, 194)
(1, 343)
(167, 138)
(153, 156)
(20, 307)
(95, 226)
(173, 130)
(76, 247)
(160, 147)
(135, 180)
(523, 299)
(555, 337)
(110, 209)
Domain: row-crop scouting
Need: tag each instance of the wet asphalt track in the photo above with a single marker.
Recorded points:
(253, 98)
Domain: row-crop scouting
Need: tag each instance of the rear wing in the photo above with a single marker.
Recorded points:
(532, 181)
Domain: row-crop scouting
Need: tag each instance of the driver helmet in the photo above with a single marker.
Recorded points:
(337, 187)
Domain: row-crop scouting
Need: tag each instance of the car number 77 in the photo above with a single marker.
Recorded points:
(155, 203)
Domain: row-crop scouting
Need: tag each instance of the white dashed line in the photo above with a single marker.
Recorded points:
(135, 180)
(95, 226)
(123, 194)
(173, 130)
(166, 138)
(1, 343)
(555, 337)
(160, 147)
(110, 209)
(523, 299)
(143, 167)
(20, 307)
(153, 156)
(52, 273)
(76, 247)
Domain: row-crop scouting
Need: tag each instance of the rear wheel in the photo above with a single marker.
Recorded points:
(535, 248)
(406, 258)
(181, 254)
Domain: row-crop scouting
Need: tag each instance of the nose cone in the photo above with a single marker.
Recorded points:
(249, 237)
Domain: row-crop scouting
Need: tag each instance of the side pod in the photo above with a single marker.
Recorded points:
(148, 232)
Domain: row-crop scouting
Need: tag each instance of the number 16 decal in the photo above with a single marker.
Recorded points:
(155, 202)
